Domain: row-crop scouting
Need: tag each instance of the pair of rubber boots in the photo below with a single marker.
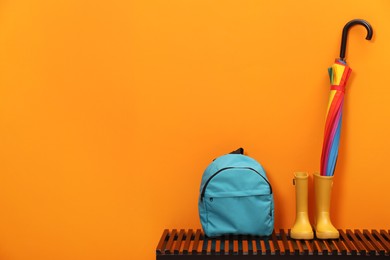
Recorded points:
(322, 191)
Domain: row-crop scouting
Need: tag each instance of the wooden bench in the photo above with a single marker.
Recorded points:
(193, 244)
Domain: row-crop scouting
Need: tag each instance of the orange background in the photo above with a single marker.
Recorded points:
(111, 110)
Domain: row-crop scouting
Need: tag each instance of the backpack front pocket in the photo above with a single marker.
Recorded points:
(250, 214)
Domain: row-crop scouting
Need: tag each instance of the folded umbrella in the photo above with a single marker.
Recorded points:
(339, 73)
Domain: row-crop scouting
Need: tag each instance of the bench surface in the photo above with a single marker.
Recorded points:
(193, 244)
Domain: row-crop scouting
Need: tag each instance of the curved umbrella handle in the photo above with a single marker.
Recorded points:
(345, 34)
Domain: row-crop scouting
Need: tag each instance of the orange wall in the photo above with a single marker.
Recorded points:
(111, 110)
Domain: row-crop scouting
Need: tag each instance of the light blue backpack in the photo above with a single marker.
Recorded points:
(236, 197)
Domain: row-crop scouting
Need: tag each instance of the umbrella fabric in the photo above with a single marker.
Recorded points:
(339, 73)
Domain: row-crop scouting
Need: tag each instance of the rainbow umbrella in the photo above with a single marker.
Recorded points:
(339, 73)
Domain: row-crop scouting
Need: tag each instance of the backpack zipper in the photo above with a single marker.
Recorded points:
(228, 168)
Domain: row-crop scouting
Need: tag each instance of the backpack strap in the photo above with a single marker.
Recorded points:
(238, 151)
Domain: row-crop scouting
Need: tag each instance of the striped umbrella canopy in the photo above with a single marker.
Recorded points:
(339, 73)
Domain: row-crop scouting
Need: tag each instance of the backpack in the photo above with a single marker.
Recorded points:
(236, 197)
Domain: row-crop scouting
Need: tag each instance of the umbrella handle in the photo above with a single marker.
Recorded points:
(345, 34)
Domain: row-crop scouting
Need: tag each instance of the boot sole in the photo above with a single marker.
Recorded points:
(305, 236)
(327, 235)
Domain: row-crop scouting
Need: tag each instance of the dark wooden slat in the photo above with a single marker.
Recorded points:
(187, 241)
(213, 245)
(300, 246)
(222, 246)
(159, 248)
(231, 245)
(373, 242)
(331, 246)
(170, 242)
(295, 246)
(356, 242)
(324, 249)
(240, 250)
(259, 249)
(205, 245)
(267, 246)
(385, 234)
(284, 241)
(178, 241)
(276, 244)
(342, 249)
(383, 242)
(347, 242)
(304, 247)
(293, 243)
(369, 248)
(196, 241)
(314, 247)
(250, 246)
(309, 247)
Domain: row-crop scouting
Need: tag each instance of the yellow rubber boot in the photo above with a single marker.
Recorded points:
(302, 228)
(322, 192)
